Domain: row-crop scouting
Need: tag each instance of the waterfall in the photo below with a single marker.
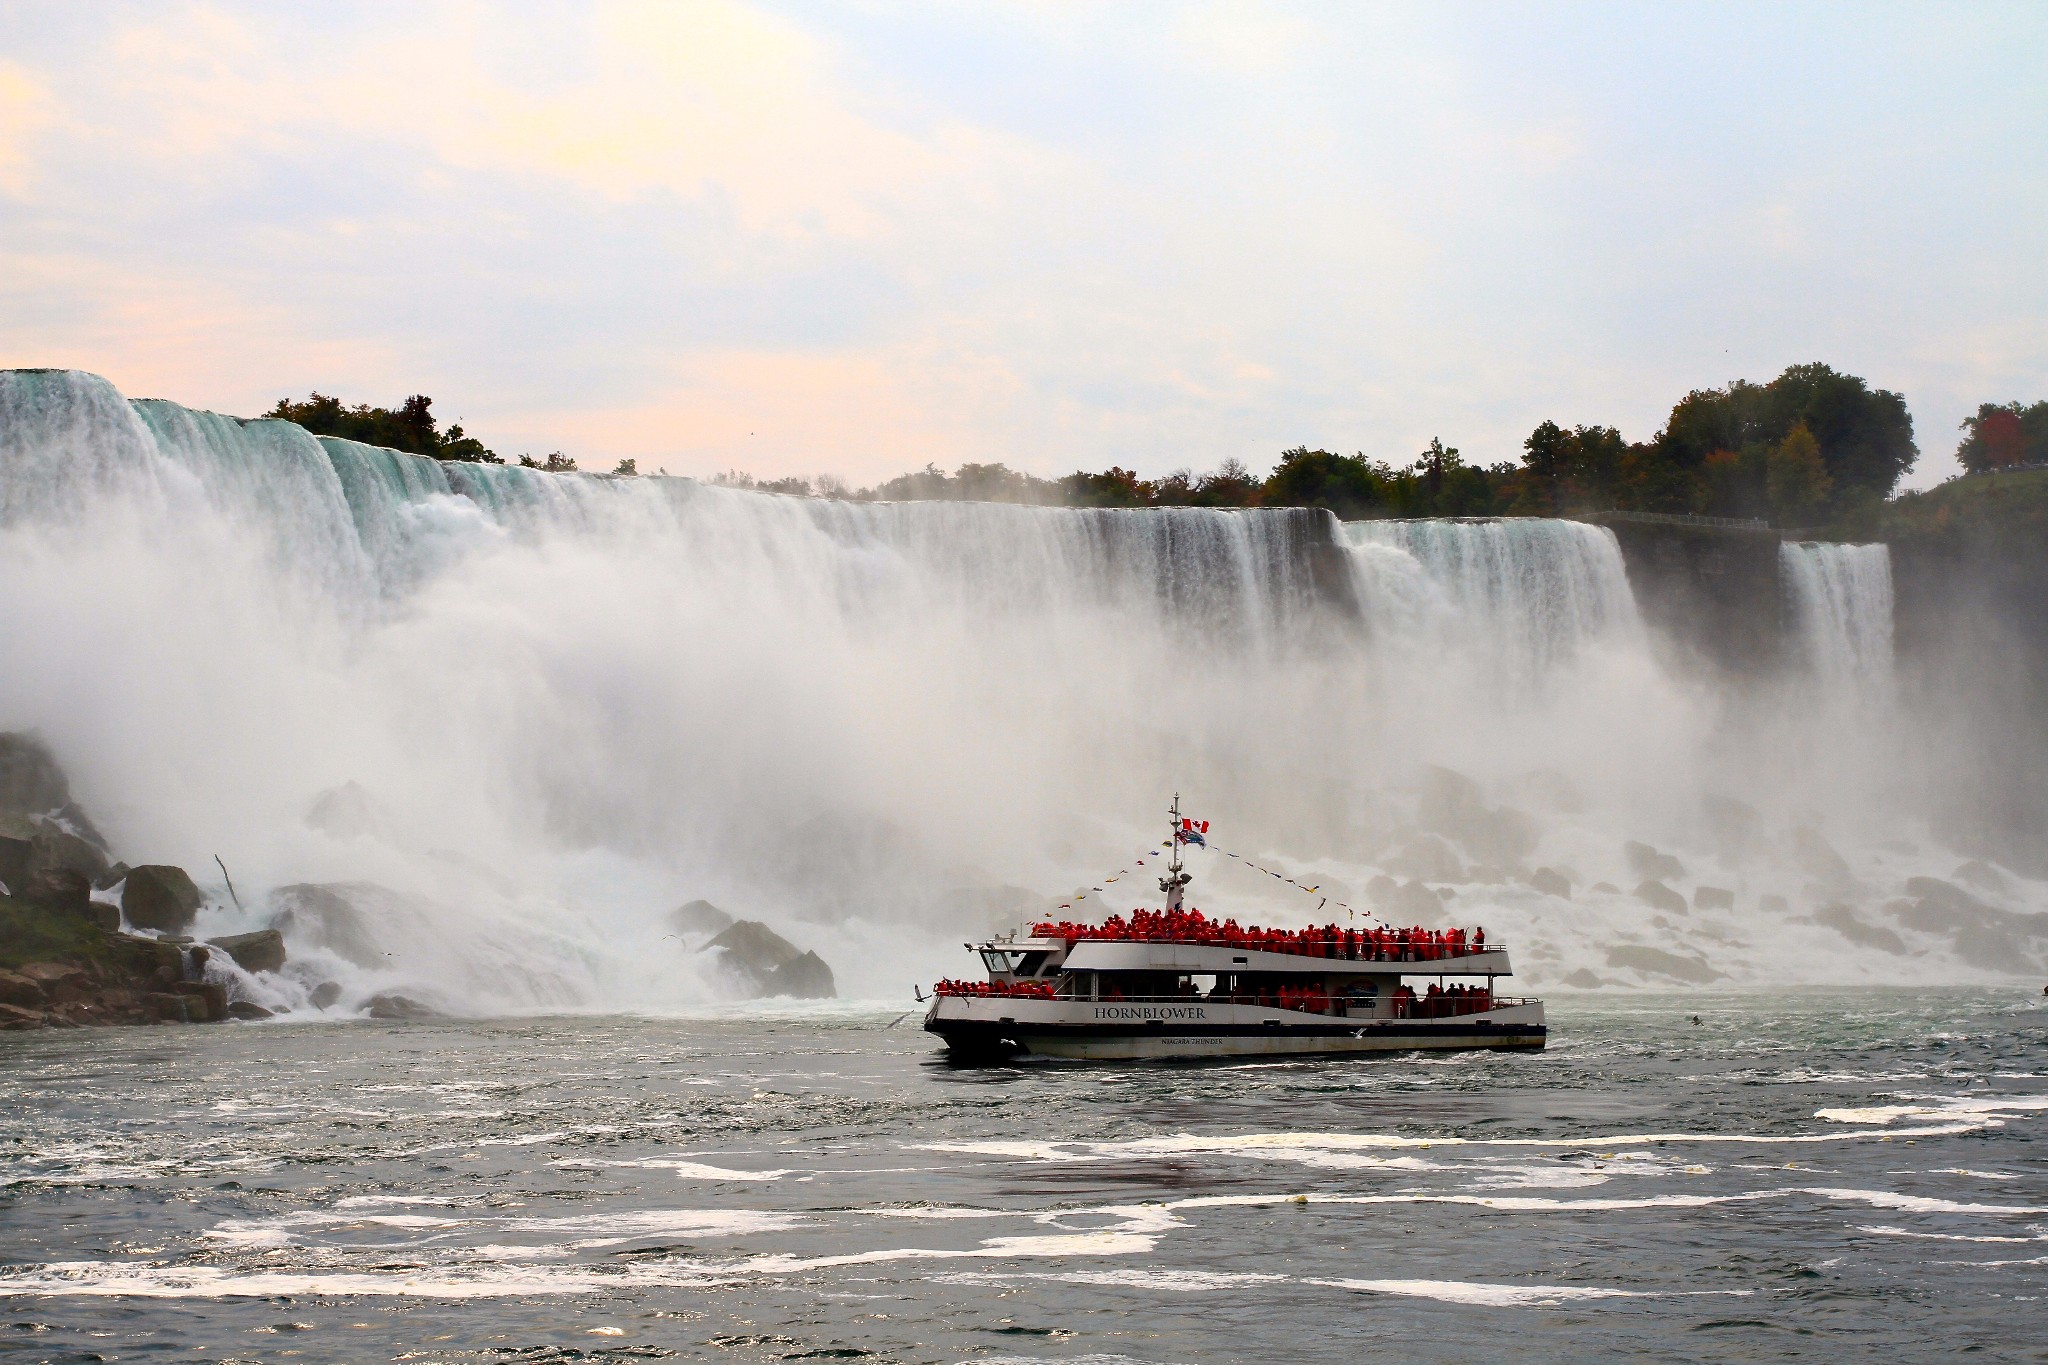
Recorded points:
(1534, 590)
(508, 719)
(1841, 600)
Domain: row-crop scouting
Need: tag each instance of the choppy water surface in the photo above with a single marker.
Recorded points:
(1850, 1176)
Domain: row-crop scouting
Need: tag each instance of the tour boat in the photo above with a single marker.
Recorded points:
(1176, 983)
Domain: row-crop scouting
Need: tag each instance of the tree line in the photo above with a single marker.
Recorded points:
(1811, 446)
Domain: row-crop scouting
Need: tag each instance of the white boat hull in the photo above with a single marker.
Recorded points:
(1091, 1031)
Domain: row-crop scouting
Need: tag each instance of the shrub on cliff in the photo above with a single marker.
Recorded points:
(410, 427)
(2002, 435)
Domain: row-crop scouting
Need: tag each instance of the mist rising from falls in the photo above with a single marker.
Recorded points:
(523, 714)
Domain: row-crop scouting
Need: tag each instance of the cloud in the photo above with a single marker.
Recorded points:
(25, 108)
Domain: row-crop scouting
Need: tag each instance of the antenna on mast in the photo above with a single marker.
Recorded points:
(1175, 882)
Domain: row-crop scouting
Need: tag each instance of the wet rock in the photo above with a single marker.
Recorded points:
(391, 1005)
(30, 780)
(1773, 905)
(1734, 825)
(206, 1001)
(1582, 980)
(248, 1010)
(1427, 858)
(1608, 888)
(699, 918)
(1451, 804)
(16, 989)
(1551, 882)
(160, 897)
(169, 1007)
(1650, 865)
(58, 888)
(325, 916)
(805, 977)
(261, 951)
(766, 963)
(1843, 921)
(1984, 877)
(1818, 859)
(1660, 897)
(60, 848)
(17, 848)
(112, 877)
(104, 915)
(16, 1017)
(1713, 898)
(346, 812)
(325, 995)
(1657, 962)
(1984, 936)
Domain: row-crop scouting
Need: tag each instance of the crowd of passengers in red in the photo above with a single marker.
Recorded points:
(1323, 940)
(1439, 1002)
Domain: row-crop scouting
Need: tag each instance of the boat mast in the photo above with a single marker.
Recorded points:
(1175, 882)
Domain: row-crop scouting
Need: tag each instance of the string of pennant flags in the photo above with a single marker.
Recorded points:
(1146, 855)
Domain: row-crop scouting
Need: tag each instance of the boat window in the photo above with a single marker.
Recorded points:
(1033, 964)
(997, 962)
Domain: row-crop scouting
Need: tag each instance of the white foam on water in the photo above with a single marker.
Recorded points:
(681, 1168)
(1915, 1203)
(1942, 1106)
(1510, 1295)
(1159, 1278)
(128, 1279)
(1883, 1231)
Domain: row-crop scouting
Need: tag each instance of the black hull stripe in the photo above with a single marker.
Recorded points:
(974, 1032)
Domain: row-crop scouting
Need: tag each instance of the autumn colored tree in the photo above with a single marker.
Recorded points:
(1796, 478)
(2004, 434)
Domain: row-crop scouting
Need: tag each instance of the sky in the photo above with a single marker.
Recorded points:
(855, 238)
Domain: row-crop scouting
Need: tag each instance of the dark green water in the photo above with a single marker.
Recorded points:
(1829, 1177)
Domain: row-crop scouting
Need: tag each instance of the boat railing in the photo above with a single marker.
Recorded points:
(1421, 1007)
(1340, 950)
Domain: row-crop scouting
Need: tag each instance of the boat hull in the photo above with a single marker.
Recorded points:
(971, 1035)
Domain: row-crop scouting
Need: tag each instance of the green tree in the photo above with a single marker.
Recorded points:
(1797, 479)
(626, 469)
(1349, 485)
(409, 427)
(2004, 434)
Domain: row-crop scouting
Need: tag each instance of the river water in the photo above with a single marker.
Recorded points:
(1824, 1176)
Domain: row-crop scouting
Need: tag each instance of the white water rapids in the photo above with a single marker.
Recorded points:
(520, 716)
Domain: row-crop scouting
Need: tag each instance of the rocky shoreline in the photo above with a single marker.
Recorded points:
(87, 940)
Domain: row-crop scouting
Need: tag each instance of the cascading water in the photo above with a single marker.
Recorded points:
(505, 720)
(1841, 599)
(1536, 590)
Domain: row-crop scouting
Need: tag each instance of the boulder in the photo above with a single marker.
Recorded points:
(1650, 865)
(1551, 882)
(104, 915)
(247, 1010)
(1984, 877)
(160, 897)
(15, 1017)
(262, 951)
(112, 877)
(1713, 898)
(16, 989)
(1843, 921)
(390, 1005)
(325, 995)
(805, 977)
(1582, 980)
(1607, 888)
(752, 944)
(167, 1007)
(54, 847)
(58, 888)
(699, 918)
(768, 964)
(1657, 962)
(1661, 897)
(17, 851)
(208, 1001)
(31, 783)
(325, 916)
(1818, 859)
